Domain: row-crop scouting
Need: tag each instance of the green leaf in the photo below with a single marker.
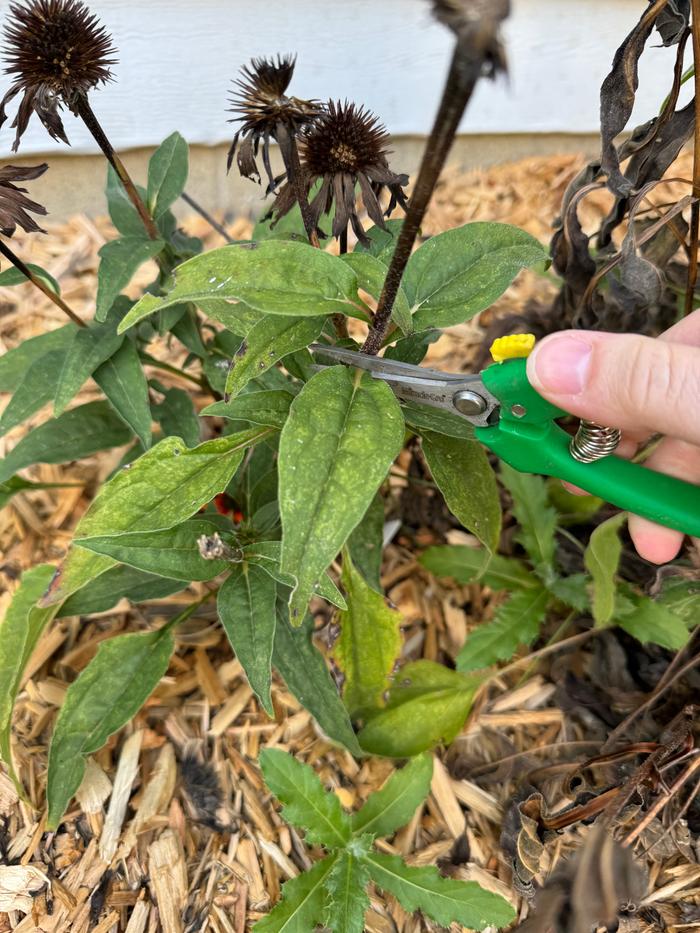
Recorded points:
(343, 432)
(268, 554)
(382, 240)
(348, 900)
(426, 420)
(34, 390)
(444, 900)
(171, 553)
(602, 557)
(19, 633)
(122, 212)
(369, 643)
(123, 381)
(91, 346)
(414, 348)
(306, 802)
(427, 706)
(177, 416)
(246, 606)
(274, 277)
(17, 484)
(13, 276)
(300, 664)
(650, 622)
(166, 486)
(573, 509)
(115, 583)
(238, 318)
(681, 596)
(515, 622)
(289, 227)
(366, 542)
(270, 407)
(572, 591)
(303, 904)
(391, 807)
(266, 343)
(78, 433)
(537, 519)
(167, 174)
(107, 694)
(119, 260)
(15, 364)
(456, 274)
(371, 274)
(464, 476)
(467, 564)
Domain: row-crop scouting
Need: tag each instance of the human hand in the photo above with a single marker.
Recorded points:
(641, 385)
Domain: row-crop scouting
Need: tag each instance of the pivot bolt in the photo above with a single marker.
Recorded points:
(469, 403)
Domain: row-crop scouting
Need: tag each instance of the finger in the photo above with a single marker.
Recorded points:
(687, 331)
(623, 380)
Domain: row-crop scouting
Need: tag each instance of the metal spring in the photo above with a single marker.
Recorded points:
(593, 442)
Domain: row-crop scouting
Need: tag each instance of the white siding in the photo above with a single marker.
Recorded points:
(177, 59)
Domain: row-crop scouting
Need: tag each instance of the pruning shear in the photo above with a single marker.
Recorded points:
(518, 425)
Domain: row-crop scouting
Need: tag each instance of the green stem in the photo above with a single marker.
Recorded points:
(166, 367)
(40, 284)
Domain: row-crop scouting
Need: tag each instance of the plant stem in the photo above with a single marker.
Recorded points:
(207, 216)
(87, 115)
(166, 367)
(39, 283)
(465, 70)
(695, 209)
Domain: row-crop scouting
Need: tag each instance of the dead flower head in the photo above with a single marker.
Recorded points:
(266, 113)
(14, 205)
(476, 24)
(344, 148)
(57, 52)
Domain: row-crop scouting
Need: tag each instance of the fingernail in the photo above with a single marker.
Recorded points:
(560, 365)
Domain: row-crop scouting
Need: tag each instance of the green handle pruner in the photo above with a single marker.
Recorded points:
(520, 426)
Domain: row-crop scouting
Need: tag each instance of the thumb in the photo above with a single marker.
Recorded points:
(621, 380)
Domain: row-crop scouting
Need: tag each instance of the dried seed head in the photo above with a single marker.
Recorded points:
(261, 106)
(346, 146)
(14, 205)
(476, 24)
(58, 52)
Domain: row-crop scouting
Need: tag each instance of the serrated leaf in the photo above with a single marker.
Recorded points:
(107, 694)
(19, 633)
(426, 420)
(177, 416)
(300, 664)
(167, 174)
(572, 591)
(36, 388)
(456, 274)
(77, 433)
(16, 363)
(274, 277)
(91, 346)
(602, 557)
(444, 900)
(348, 898)
(515, 622)
(124, 383)
(173, 553)
(467, 564)
(269, 407)
(652, 623)
(366, 542)
(246, 606)
(371, 275)
(115, 583)
(303, 904)
(307, 804)
(266, 343)
(369, 643)
(119, 260)
(427, 706)
(681, 596)
(394, 804)
(268, 554)
(343, 432)
(165, 486)
(464, 476)
(537, 519)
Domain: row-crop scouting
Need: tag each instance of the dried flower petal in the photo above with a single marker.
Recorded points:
(14, 205)
(58, 52)
(346, 147)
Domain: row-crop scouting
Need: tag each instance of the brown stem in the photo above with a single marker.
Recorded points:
(465, 70)
(87, 115)
(207, 216)
(695, 209)
(39, 283)
(295, 176)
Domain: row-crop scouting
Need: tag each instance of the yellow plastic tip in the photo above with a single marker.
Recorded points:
(512, 347)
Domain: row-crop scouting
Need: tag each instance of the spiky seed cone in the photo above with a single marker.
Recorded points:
(14, 205)
(57, 52)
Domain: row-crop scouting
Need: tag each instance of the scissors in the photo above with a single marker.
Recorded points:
(516, 423)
